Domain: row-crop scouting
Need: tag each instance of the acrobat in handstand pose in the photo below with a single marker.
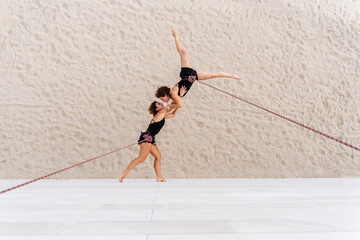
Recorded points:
(187, 75)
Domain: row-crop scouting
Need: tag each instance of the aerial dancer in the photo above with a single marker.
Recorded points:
(188, 76)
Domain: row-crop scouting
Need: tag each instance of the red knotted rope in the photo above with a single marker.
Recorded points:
(64, 169)
(302, 125)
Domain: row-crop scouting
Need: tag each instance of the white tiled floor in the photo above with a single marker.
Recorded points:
(191, 209)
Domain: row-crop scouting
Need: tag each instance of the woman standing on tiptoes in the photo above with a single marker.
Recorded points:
(188, 76)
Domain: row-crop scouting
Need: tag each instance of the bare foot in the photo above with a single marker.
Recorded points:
(173, 31)
(236, 76)
(160, 179)
(122, 176)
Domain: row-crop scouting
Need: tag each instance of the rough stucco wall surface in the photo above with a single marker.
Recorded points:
(77, 78)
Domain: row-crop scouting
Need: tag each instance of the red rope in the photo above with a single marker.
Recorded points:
(302, 125)
(64, 169)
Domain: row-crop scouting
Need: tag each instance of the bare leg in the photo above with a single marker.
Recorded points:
(203, 75)
(157, 163)
(183, 55)
(144, 152)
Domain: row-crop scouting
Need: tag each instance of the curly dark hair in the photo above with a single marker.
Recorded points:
(152, 108)
(162, 91)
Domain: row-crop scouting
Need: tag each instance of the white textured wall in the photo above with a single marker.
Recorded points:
(78, 76)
